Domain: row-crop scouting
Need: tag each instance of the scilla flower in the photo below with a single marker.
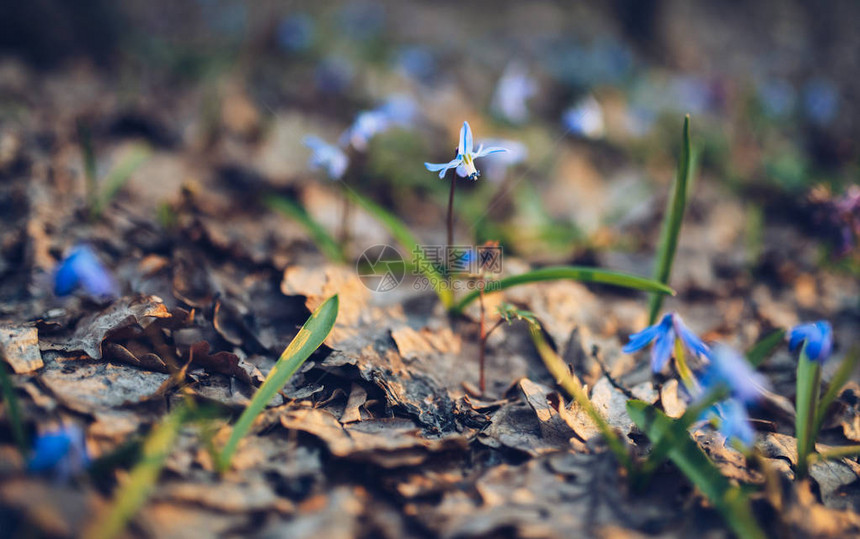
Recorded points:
(513, 91)
(726, 369)
(734, 421)
(818, 337)
(663, 334)
(326, 157)
(397, 111)
(82, 269)
(466, 156)
(585, 119)
(61, 451)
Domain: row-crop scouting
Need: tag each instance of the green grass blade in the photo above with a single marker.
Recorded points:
(576, 273)
(729, 500)
(571, 384)
(119, 176)
(323, 240)
(765, 347)
(133, 493)
(404, 237)
(672, 222)
(842, 375)
(808, 387)
(13, 410)
(309, 338)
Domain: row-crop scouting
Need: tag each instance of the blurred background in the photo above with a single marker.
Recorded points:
(595, 92)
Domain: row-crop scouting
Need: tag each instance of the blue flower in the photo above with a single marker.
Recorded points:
(663, 334)
(734, 421)
(82, 268)
(818, 337)
(326, 157)
(726, 368)
(514, 89)
(61, 451)
(397, 111)
(585, 119)
(466, 156)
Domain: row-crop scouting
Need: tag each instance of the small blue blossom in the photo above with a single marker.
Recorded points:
(326, 157)
(496, 165)
(734, 421)
(818, 337)
(82, 269)
(397, 111)
(61, 451)
(466, 155)
(585, 119)
(663, 335)
(513, 91)
(726, 368)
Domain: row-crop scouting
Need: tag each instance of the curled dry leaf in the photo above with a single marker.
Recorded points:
(127, 313)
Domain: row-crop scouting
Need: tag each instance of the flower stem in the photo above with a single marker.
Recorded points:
(571, 384)
(451, 216)
(808, 386)
(483, 352)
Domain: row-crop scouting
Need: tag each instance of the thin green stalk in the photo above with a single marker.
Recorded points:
(729, 499)
(133, 493)
(118, 177)
(13, 410)
(808, 386)
(323, 240)
(450, 236)
(762, 349)
(575, 273)
(843, 374)
(309, 338)
(663, 437)
(571, 384)
(672, 221)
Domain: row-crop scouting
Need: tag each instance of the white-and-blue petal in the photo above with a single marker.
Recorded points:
(442, 168)
(483, 152)
(466, 141)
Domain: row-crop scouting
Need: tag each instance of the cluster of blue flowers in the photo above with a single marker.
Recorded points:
(725, 369)
(333, 160)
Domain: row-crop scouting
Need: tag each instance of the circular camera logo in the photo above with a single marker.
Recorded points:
(380, 268)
